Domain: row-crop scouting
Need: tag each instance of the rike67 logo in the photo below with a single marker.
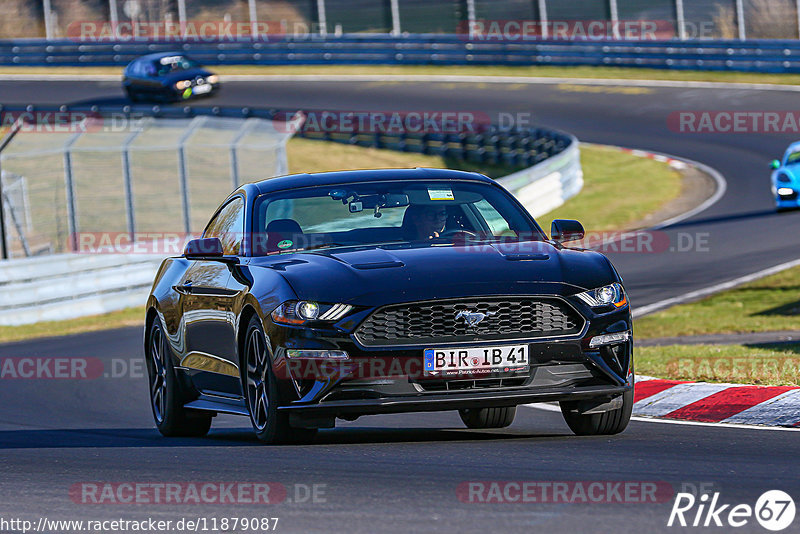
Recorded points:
(774, 510)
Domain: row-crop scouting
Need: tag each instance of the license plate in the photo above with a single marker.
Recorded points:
(201, 89)
(483, 361)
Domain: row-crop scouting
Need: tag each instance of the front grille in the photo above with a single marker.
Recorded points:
(435, 322)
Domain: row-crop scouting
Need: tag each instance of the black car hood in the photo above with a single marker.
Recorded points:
(188, 74)
(378, 276)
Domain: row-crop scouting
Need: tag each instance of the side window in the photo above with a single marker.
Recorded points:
(497, 224)
(228, 226)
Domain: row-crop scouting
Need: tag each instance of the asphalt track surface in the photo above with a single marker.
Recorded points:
(400, 472)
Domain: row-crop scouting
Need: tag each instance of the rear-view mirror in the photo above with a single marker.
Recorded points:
(210, 247)
(564, 230)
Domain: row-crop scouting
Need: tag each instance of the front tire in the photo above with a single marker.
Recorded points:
(171, 418)
(488, 417)
(261, 392)
(606, 423)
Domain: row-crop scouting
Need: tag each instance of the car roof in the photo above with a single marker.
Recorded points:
(294, 181)
(159, 55)
(794, 147)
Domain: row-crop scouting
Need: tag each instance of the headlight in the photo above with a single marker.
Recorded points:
(785, 191)
(298, 312)
(317, 354)
(609, 339)
(611, 295)
(183, 84)
(784, 178)
(213, 78)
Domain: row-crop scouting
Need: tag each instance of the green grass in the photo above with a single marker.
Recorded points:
(600, 207)
(772, 303)
(606, 171)
(523, 71)
(117, 319)
(774, 365)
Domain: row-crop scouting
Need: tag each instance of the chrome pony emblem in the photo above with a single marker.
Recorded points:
(472, 319)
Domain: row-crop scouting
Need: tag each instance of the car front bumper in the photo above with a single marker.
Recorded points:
(392, 380)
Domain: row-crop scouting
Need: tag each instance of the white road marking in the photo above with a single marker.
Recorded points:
(554, 408)
(529, 80)
(694, 295)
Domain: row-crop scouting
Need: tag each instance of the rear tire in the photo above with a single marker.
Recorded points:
(596, 424)
(261, 392)
(488, 417)
(166, 401)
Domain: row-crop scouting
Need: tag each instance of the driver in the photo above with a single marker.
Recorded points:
(422, 222)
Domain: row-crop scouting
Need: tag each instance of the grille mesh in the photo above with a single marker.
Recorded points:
(435, 322)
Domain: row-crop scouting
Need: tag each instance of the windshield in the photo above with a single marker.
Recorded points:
(793, 158)
(168, 64)
(380, 213)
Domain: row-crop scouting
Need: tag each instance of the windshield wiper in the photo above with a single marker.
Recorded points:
(324, 245)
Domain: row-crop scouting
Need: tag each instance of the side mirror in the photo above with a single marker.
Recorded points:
(775, 164)
(563, 230)
(210, 247)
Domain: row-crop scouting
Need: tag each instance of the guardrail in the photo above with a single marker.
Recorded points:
(72, 285)
(421, 49)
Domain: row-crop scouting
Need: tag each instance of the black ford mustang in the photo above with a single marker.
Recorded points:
(336, 295)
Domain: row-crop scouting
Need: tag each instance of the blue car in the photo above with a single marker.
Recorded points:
(786, 178)
(167, 77)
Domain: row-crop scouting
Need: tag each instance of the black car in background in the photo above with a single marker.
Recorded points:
(336, 295)
(167, 77)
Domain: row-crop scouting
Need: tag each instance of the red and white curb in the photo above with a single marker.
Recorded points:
(672, 162)
(717, 403)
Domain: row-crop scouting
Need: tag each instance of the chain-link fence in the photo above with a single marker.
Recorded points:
(129, 175)
(682, 19)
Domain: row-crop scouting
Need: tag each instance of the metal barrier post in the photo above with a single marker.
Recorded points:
(72, 216)
(797, 4)
(251, 4)
(3, 144)
(244, 130)
(740, 20)
(48, 19)
(614, 12)
(113, 16)
(395, 17)
(543, 18)
(126, 175)
(184, 180)
(681, 19)
(182, 16)
(322, 18)
(471, 16)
